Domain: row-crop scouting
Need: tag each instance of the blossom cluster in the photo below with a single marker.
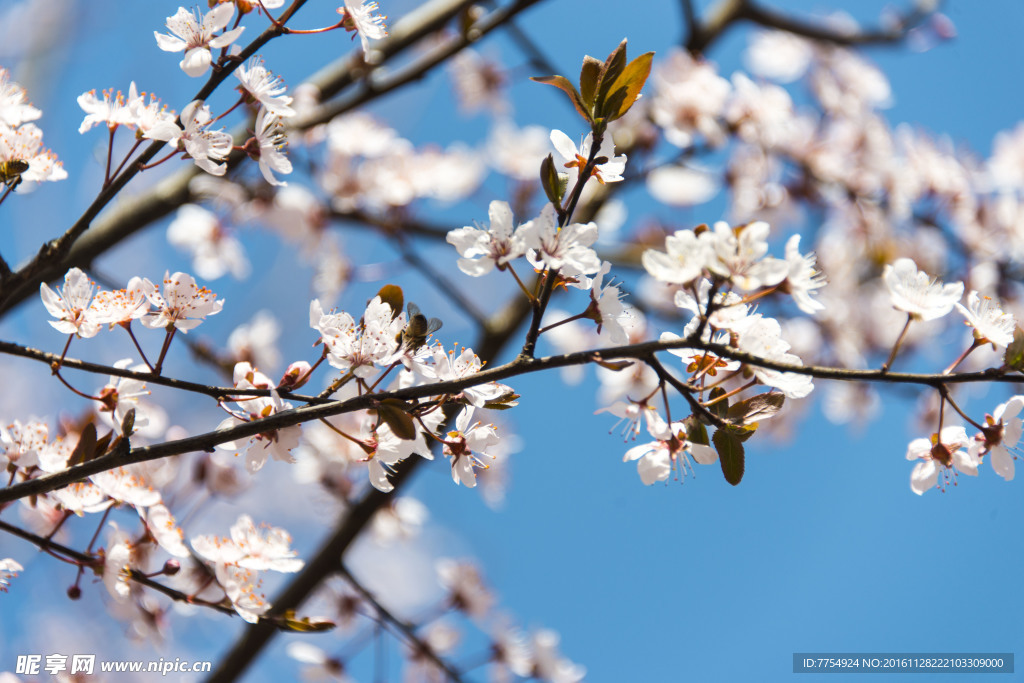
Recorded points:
(22, 155)
(177, 303)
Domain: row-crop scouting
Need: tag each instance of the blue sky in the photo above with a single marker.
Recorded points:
(822, 548)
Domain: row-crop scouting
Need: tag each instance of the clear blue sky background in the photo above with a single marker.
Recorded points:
(822, 548)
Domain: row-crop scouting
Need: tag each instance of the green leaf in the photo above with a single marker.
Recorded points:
(590, 76)
(630, 82)
(730, 455)
(288, 622)
(393, 297)
(128, 423)
(756, 408)
(696, 432)
(503, 402)
(85, 450)
(610, 72)
(1014, 356)
(719, 407)
(554, 188)
(563, 84)
(392, 411)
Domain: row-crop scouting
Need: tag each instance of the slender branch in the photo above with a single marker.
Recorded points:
(120, 455)
(406, 629)
(218, 393)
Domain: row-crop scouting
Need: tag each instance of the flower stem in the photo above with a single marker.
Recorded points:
(896, 346)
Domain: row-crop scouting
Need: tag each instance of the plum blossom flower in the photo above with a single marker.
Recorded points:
(498, 244)
(360, 348)
(385, 450)
(25, 144)
(990, 323)
(276, 442)
(608, 311)
(449, 367)
(14, 109)
(111, 109)
(609, 171)
(999, 437)
(204, 146)
(684, 259)
(195, 36)
(264, 87)
(566, 249)
(21, 444)
(803, 277)
(117, 563)
(270, 145)
(920, 295)
(122, 394)
(183, 304)
(249, 547)
(763, 337)
(120, 306)
(657, 459)
(360, 17)
(739, 254)
(8, 570)
(465, 446)
(70, 305)
(125, 485)
(164, 529)
(939, 455)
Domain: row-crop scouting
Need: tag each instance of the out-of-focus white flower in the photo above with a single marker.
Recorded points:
(14, 107)
(517, 152)
(20, 444)
(681, 185)
(195, 36)
(688, 99)
(466, 590)
(478, 82)
(917, 293)
(779, 55)
(566, 249)
(214, 249)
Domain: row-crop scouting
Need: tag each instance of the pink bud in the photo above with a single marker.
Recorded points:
(295, 376)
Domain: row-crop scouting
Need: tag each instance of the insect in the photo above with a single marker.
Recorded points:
(10, 172)
(417, 329)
